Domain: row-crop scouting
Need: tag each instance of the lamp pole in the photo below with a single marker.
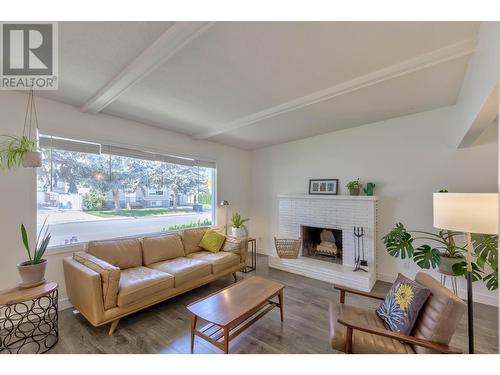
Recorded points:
(470, 301)
(224, 204)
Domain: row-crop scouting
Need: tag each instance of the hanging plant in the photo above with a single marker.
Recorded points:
(22, 151)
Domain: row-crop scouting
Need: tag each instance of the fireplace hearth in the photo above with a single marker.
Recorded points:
(338, 214)
(322, 243)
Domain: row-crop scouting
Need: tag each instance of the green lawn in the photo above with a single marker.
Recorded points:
(138, 212)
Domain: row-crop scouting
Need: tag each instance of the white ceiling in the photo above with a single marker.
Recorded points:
(254, 84)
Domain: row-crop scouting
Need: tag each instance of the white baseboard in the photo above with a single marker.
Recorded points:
(479, 297)
(485, 298)
(64, 303)
(266, 251)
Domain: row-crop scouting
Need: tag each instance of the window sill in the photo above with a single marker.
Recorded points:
(81, 246)
(66, 249)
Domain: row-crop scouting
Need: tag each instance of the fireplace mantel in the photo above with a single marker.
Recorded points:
(340, 212)
(335, 197)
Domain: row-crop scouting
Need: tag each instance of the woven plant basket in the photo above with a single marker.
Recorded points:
(287, 248)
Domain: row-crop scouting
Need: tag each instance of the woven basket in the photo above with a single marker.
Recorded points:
(287, 248)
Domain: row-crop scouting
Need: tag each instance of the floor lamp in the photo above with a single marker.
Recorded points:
(467, 213)
(225, 204)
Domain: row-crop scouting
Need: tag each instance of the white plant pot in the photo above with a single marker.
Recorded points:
(32, 274)
(238, 232)
(32, 159)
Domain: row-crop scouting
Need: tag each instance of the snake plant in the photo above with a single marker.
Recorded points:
(42, 242)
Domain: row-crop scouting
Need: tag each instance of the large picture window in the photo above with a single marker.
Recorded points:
(88, 191)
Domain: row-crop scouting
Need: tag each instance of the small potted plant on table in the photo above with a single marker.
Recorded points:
(32, 271)
(354, 187)
(238, 229)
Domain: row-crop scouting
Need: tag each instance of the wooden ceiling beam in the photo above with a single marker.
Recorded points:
(426, 60)
(162, 49)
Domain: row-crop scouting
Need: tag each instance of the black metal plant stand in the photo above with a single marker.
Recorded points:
(252, 243)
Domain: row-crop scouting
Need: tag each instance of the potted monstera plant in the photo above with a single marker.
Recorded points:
(440, 250)
(32, 271)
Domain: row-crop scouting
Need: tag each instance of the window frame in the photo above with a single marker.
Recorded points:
(211, 165)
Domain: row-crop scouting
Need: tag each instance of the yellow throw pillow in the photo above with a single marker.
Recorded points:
(212, 241)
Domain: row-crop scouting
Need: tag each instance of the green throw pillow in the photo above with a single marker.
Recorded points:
(212, 241)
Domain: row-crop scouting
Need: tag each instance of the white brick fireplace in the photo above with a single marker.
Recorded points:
(341, 212)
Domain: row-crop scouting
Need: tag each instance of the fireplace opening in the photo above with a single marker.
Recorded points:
(322, 244)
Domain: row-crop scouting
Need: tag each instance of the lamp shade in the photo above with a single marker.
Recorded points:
(466, 212)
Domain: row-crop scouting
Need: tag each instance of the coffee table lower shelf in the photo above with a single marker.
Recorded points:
(220, 336)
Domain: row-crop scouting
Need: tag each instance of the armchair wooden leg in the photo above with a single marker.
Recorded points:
(348, 341)
(234, 276)
(113, 326)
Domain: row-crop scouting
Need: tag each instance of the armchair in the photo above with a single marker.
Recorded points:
(361, 331)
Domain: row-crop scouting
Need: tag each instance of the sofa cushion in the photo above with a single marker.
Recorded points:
(362, 342)
(184, 269)
(123, 254)
(231, 244)
(160, 248)
(141, 282)
(212, 241)
(220, 261)
(110, 276)
(191, 239)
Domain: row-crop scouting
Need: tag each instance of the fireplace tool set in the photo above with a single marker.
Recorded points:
(359, 250)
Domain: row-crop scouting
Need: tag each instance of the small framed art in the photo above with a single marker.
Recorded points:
(323, 186)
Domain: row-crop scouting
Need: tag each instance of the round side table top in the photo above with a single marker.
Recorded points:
(17, 295)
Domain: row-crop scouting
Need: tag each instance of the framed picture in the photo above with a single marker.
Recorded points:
(323, 186)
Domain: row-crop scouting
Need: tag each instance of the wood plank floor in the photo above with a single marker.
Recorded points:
(165, 328)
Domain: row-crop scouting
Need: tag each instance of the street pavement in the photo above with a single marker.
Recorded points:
(85, 231)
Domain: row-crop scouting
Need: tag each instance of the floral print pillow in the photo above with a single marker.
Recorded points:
(402, 304)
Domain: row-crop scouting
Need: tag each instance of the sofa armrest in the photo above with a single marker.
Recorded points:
(236, 246)
(84, 289)
(351, 325)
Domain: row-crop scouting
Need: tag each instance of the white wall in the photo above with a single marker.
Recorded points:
(482, 74)
(18, 186)
(408, 158)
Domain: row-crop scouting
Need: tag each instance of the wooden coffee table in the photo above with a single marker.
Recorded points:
(233, 309)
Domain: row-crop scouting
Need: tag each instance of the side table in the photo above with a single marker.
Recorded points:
(453, 278)
(29, 319)
(252, 244)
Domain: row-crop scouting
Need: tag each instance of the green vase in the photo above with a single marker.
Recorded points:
(370, 186)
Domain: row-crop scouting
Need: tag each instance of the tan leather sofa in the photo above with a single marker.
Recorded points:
(115, 278)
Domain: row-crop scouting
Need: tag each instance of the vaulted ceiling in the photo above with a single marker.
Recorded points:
(255, 84)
